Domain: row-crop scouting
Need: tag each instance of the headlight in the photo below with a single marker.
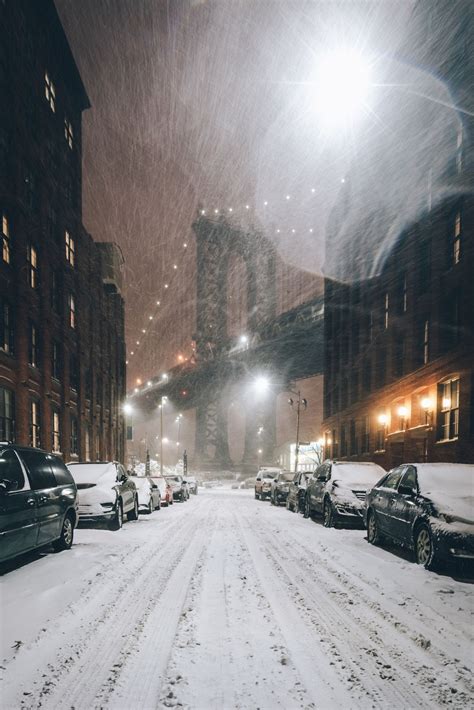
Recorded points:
(107, 506)
(446, 518)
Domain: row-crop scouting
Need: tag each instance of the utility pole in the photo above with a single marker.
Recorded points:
(299, 403)
(161, 436)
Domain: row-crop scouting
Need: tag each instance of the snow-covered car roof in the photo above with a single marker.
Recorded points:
(91, 472)
(141, 482)
(454, 479)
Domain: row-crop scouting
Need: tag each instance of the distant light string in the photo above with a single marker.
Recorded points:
(247, 208)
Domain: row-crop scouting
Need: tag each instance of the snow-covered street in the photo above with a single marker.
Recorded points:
(225, 602)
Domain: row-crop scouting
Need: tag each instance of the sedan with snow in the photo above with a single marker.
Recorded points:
(149, 496)
(280, 487)
(105, 493)
(427, 507)
(337, 491)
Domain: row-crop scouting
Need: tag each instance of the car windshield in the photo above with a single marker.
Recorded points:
(173, 479)
(92, 472)
(286, 477)
(363, 475)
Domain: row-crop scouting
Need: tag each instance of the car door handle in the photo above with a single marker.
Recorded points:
(30, 501)
(43, 499)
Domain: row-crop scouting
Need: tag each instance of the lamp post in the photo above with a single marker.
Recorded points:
(300, 402)
(163, 400)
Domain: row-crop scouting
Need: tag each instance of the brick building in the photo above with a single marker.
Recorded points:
(399, 315)
(62, 352)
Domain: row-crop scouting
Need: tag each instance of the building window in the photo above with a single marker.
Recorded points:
(68, 133)
(74, 436)
(385, 311)
(31, 194)
(402, 295)
(457, 234)
(32, 256)
(70, 248)
(72, 311)
(365, 436)
(56, 361)
(5, 239)
(426, 341)
(448, 407)
(33, 349)
(6, 327)
(73, 372)
(343, 440)
(7, 415)
(50, 92)
(335, 446)
(35, 429)
(55, 431)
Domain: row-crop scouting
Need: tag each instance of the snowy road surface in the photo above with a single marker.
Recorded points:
(225, 602)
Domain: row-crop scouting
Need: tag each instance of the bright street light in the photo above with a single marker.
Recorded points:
(127, 408)
(341, 86)
(261, 384)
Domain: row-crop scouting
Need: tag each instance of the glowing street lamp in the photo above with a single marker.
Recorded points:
(341, 86)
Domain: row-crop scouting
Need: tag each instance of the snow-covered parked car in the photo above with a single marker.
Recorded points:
(337, 491)
(165, 489)
(427, 507)
(105, 493)
(280, 487)
(192, 484)
(263, 481)
(37, 501)
(179, 488)
(149, 495)
(297, 491)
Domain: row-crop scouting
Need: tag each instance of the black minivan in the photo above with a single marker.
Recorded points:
(37, 501)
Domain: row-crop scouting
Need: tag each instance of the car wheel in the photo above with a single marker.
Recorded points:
(117, 520)
(307, 509)
(424, 547)
(373, 535)
(328, 514)
(133, 514)
(64, 541)
(151, 507)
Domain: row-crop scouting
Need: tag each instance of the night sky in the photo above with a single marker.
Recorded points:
(208, 102)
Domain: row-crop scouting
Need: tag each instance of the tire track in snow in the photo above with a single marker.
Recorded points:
(307, 654)
(406, 640)
(75, 667)
(142, 673)
(406, 661)
(229, 652)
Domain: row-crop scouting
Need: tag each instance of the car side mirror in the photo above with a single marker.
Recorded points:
(322, 478)
(406, 490)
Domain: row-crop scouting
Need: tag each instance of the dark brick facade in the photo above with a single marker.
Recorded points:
(399, 345)
(62, 352)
